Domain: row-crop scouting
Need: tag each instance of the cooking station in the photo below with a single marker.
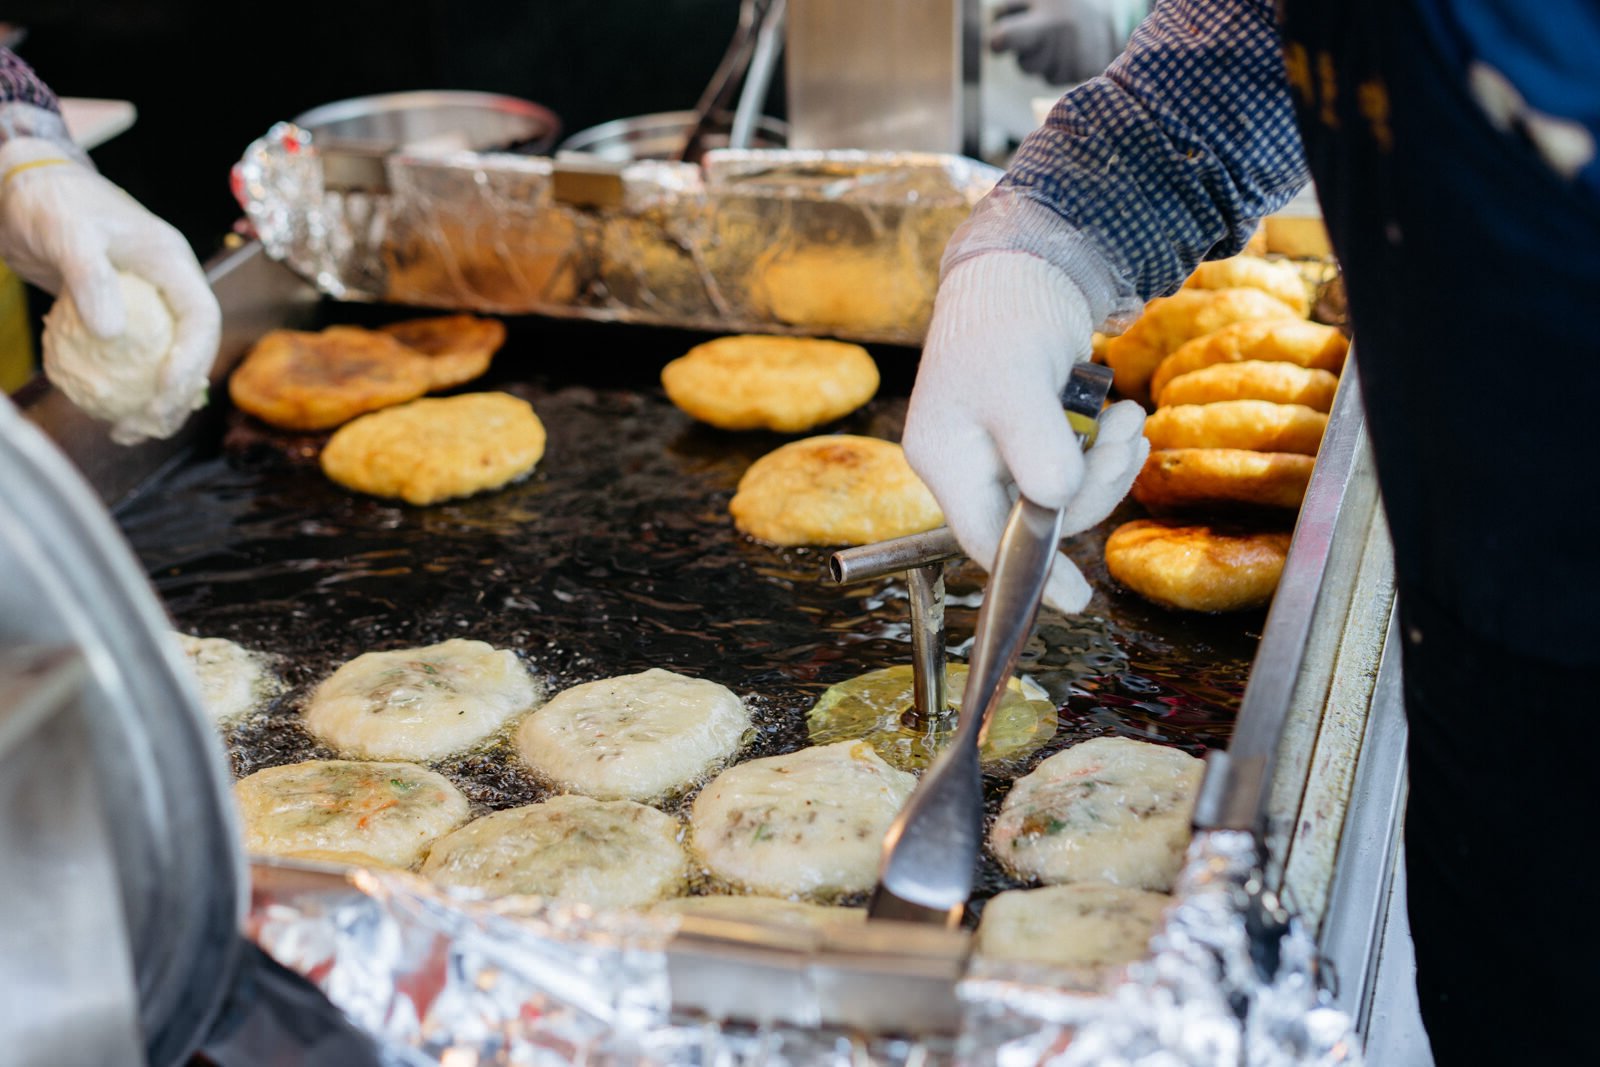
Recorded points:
(618, 555)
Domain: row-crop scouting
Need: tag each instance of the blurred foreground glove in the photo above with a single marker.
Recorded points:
(70, 231)
(986, 411)
(1062, 41)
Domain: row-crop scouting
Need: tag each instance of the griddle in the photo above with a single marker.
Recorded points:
(616, 555)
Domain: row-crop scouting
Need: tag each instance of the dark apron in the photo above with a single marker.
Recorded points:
(1473, 272)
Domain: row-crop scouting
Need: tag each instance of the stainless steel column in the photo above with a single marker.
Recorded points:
(883, 74)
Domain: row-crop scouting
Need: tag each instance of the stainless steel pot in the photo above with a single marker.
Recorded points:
(659, 136)
(480, 122)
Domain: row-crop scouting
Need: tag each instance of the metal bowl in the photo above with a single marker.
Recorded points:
(659, 136)
(482, 122)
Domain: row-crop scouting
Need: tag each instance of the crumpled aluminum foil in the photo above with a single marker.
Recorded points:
(1198, 1000)
(842, 243)
(442, 980)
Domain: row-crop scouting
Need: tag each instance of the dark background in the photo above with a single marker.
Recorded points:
(209, 76)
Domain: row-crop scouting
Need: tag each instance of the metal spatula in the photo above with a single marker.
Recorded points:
(931, 850)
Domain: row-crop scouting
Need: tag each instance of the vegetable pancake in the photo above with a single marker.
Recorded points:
(1086, 925)
(606, 853)
(639, 736)
(1109, 809)
(421, 703)
(810, 823)
(390, 812)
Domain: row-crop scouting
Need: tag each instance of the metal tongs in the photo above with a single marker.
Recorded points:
(931, 851)
(751, 57)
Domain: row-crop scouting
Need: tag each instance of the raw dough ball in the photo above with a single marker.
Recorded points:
(118, 380)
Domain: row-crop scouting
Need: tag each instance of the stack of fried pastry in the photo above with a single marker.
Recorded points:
(1241, 384)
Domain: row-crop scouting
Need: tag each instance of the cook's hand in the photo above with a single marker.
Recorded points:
(67, 229)
(1062, 41)
(986, 411)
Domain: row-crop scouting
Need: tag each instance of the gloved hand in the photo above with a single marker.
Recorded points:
(1062, 41)
(986, 411)
(68, 230)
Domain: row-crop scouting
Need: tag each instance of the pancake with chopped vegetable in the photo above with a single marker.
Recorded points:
(635, 737)
(806, 824)
(605, 853)
(1089, 926)
(388, 812)
(421, 703)
(1109, 809)
(233, 680)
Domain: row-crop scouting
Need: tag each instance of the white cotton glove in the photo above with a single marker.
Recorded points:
(69, 231)
(986, 413)
(1062, 41)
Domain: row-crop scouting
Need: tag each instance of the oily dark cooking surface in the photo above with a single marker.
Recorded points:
(617, 555)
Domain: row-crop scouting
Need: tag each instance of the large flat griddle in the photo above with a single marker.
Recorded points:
(615, 556)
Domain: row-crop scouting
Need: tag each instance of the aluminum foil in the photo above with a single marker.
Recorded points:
(840, 243)
(1228, 980)
(439, 979)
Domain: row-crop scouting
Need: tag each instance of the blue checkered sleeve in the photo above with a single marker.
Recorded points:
(1170, 157)
(27, 106)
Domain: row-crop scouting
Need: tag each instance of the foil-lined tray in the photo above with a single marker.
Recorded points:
(439, 979)
(844, 243)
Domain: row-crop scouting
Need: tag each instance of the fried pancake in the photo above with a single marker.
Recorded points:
(1198, 567)
(421, 703)
(1297, 341)
(458, 347)
(432, 450)
(1086, 925)
(804, 824)
(788, 384)
(315, 381)
(604, 853)
(1253, 379)
(1109, 809)
(388, 812)
(1169, 321)
(1178, 478)
(836, 489)
(1276, 277)
(1259, 425)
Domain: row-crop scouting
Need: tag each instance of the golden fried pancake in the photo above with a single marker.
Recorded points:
(788, 384)
(315, 381)
(458, 347)
(432, 450)
(836, 489)
(1186, 477)
(1259, 425)
(1297, 341)
(1169, 321)
(1276, 277)
(1197, 568)
(1253, 379)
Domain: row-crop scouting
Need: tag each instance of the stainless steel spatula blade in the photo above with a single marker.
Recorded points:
(932, 848)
